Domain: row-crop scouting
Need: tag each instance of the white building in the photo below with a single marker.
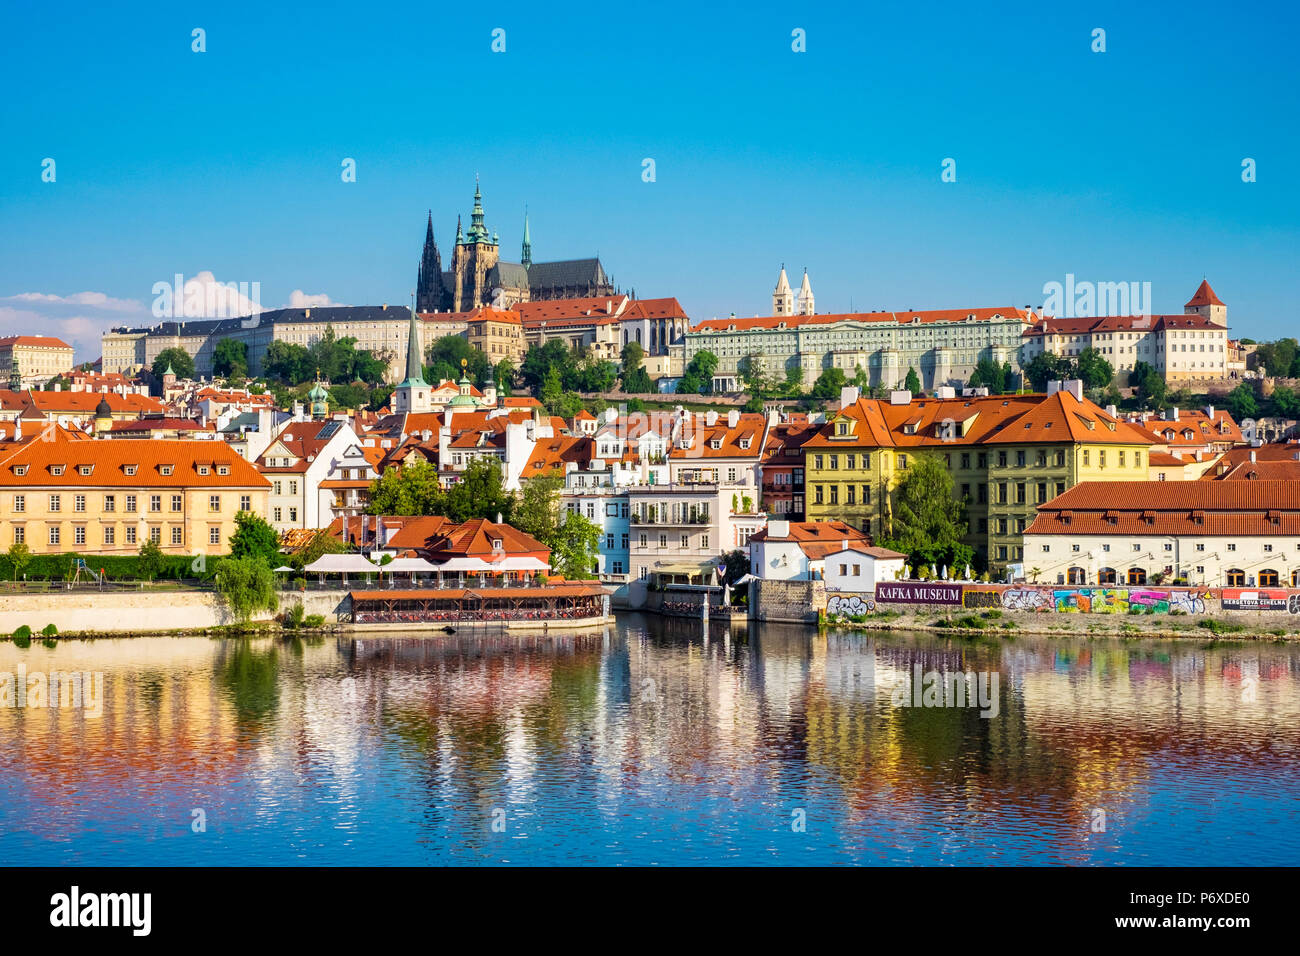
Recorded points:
(296, 461)
(1210, 533)
(796, 550)
(860, 567)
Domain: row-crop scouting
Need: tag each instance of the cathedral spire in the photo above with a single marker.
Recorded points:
(430, 294)
(527, 257)
(460, 235)
(414, 363)
(806, 296)
(478, 231)
(782, 296)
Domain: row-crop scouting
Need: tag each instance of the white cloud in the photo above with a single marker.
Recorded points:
(96, 300)
(305, 300)
(204, 297)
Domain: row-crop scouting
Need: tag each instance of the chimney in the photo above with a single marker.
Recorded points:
(900, 396)
(710, 418)
(778, 528)
(1252, 456)
(848, 395)
(733, 418)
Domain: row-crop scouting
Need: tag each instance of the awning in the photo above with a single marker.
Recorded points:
(341, 564)
(521, 563)
(705, 567)
(473, 565)
(408, 566)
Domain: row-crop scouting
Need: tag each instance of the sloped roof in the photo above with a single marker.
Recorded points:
(769, 322)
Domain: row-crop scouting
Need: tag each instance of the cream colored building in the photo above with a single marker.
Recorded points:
(39, 357)
(61, 492)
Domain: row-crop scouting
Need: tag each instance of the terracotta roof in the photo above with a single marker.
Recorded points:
(163, 424)
(302, 441)
(552, 454)
(1235, 508)
(801, 532)
(904, 318)
(1204, 295)
(519, 401)
(551, 310)
(63, 402)
(48, 341)
(1120, 323)
(750, 429)
(110, 461)
(440, 538)
(1256, 471)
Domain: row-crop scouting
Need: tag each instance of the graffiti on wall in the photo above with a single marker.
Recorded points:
(984, 597)
(848, 605)
(1025, 599)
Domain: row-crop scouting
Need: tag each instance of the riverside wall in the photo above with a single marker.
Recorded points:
(146, 611)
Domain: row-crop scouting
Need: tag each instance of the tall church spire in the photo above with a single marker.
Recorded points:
(430, 293)
(527, 257)
(478, 231)
(806, 296)
(414, 360)
(782, 297)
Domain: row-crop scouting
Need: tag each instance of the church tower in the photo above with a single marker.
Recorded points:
(475, 254)
(430, 296)
(414, 394)
(527, 257)
(1206, 303)
(783, 297)
(806, 296)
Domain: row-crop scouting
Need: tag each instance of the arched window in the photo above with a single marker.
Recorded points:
(1295, 578)
(1106, 576)
(1077, 576)
(1137, 575)
(1268, 578)
(1235, 577)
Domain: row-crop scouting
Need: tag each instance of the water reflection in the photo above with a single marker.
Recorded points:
(655, 742)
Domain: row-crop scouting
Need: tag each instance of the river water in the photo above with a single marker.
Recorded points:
(652, 743)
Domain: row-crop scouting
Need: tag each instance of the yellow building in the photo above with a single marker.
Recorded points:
(61, 491)
(1007, 454)
(39, 358)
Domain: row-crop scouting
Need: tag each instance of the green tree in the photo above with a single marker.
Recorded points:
(552, 391)
(913, 382)
(230, 358)
(410, 490)
(445, 356)
(538, 510)
(480, 493)
(928, 522)
(247, 585)
(1152, 389)
(1241, 402)
(1277, 358)
(829, 383)
(633, 373)
(19, 556)
(539, 361)
(1093, 369)
(792, 387)
(152, 561)
(575, 547)
(697, 379)
(255, 538)
(504, 375)
(1046, 367)
(180, 361)
(1286, 403)
(322, 543)
(288, 362)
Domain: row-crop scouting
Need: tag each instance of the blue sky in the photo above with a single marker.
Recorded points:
(1115, 166)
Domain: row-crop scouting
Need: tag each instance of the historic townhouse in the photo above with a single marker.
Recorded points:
(943, 346)
(1006, 454)
(1210, 533)
(33, 359)
(298, 460)
(1188, 346)
(61, 491)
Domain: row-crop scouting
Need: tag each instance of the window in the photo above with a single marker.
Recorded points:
(155, 503)
(663, 541)
(214, 502)
(293, 514)
(110, 534)
(245, 502)
(54, 536)
(902, 461)
(1076, 575)
(276, 486)
(293, 487)
(176, 502)
(704, 542)
(817, 494)
(1268, 578)
(165, 469)
(1235, 577)
(177, 535)
(78, 502)
(79, 534)
(1106, 576)
(277, 514)
(641, 542)
(686, 541)
(20, 534)
(130, 503)
(129, 469)
(1232, 546)
(130, 535)
(110, 503)
(55, 503)
(20, 502)
(851, 491)
(155, 534)
(835, 494)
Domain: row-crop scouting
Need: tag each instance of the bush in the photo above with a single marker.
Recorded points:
(1221, 627)
(60, 567)
(314, 620)
(23, 636)
(50, 631)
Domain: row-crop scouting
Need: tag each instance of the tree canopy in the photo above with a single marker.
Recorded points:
(928, 522)
(230, 359)
(912, 382)
(697, 378)
(180, 361)
(336, 360)
(255, 538)
(998, 379)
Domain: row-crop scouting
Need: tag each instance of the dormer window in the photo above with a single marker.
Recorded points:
(20, 470)
(223, 469)
(85, 469)
(498, 545)
(203, 469)
(164, 469)
(56, 469)
(745, 443)
(129, 469)
(715, 443)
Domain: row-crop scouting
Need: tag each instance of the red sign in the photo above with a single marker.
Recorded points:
(918, 592)
(1254, 599)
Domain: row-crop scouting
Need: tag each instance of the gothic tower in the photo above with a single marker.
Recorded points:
(806, 296)
(783, 297)
(475, 254)
(430, 296)
(527, 257)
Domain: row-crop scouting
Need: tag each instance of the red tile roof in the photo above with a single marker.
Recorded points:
(1204, 295)
(1236, 508)
(48, 341)
(904, 318)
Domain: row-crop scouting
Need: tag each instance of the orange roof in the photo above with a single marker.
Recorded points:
(131, 464)
(551, 454)
(904, 318)
(1235, 508)
(1119, 323)
(520, 401)
(1204, 295)
(302, 441)
(48, 341)
(588, 308)
(745, 440)
(53, 403)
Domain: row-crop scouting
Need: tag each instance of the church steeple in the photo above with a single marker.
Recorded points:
(478, 231)
(806, 296)
(782, 296)
(414, 360)
(430, 294)
(527, 257)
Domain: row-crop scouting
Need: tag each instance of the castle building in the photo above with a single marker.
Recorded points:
(1193, 345)
(479, 276)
